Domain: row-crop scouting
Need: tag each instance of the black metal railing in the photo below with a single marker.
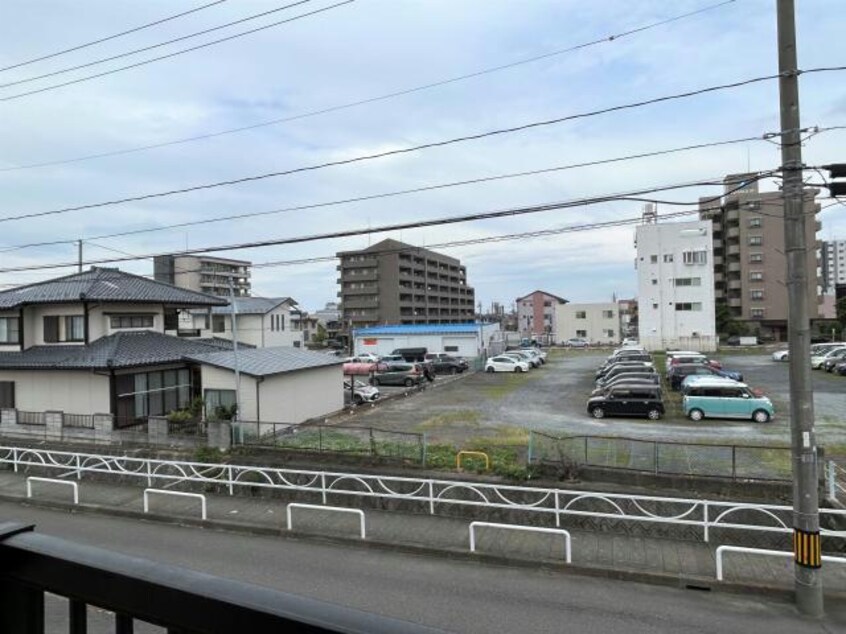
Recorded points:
(31, 418)
(178, 599)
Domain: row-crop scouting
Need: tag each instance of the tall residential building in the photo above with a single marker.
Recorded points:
(750, 268)
(536, 313)
(675, 285)
(833, 266)
(204, 274)
(396, 283)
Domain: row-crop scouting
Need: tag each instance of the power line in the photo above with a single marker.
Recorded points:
(110, 37)
(632, 195)
(425, 146)
(399, 93)
(403, 192)
(111, 58)
(175, 53)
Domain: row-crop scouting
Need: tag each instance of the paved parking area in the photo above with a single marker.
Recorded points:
(552, 399)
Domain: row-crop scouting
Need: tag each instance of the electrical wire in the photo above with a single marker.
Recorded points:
(392, 95)
(110, 37)
(174, 54)
(111, 58)
(513, 212)
(407, 150)
(474, 181)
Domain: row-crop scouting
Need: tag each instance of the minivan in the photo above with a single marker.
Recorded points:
(641, 400)
(706, 399)
(407, 374)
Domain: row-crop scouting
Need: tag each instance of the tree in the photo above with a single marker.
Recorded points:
(726, 323)
(320, 335)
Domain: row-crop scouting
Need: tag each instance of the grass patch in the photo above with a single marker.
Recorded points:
(505, 461)
(505, 385)
(459, 417)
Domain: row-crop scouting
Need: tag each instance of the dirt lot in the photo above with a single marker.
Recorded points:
(503, 407)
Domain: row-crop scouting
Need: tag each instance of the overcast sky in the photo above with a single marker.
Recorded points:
(367, 49)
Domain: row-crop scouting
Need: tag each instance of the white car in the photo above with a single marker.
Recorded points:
(523, 355)
(781, 355)
(502, 363)
(628, 342)
(817, 359)
(577, 342)
(361, 393)
(367, 357)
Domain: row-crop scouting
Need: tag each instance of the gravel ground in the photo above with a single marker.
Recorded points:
(552, 399)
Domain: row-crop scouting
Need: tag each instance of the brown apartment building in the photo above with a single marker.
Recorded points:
(396, 283)
(749, 264)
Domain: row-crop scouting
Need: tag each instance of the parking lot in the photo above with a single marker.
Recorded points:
(551, 399)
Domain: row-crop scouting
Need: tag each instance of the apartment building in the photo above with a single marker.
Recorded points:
(396, 283)
(833, 265)
(204, 274)
(596, 322)
(628, 317)
(750, 268)
(536, 313)
(675, 285)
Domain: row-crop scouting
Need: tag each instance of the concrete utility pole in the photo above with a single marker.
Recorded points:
(806, 524)
(79, 252)
(234, 316)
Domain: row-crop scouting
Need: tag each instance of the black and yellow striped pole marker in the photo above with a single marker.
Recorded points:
(807, 548)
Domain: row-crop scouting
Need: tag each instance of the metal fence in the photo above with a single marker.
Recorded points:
(836, 482)
(31, 418)
(350, 440)
(79, 421)
(738, 462)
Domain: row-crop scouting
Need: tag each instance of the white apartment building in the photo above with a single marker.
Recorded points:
(676, 285)
(833, 264)
(596, 322)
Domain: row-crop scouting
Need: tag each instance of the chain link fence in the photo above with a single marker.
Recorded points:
(741, 462)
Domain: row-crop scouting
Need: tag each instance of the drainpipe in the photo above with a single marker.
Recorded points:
(259, 381)
(234, 315)
(21, 333)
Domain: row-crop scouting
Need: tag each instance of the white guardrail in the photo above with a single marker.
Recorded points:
(184, 494)
(320, 507)
(568, 551)
(763, 551)
(73, 485)
(555, 504)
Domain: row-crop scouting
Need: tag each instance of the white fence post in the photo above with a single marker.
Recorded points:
(763, 551)
(832, 480)
(568, 553)
(73, 485)
(198, 496)
(339, 509)
(705, 517)
(231, 480)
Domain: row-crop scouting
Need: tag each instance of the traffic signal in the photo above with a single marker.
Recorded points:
(836, 170)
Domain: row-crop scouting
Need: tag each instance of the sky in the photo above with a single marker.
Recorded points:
(370, 48)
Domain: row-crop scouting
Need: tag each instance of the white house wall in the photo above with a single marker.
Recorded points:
(219, 379)
(72, 392)
(460, 344)
(255, 330)
(596, 326)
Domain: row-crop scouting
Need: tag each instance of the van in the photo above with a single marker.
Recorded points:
(711, 399)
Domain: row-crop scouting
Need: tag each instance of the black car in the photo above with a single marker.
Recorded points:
(679, 372)
(627, 401)
(606, 370)
(629, 383)
(838, 356)
(445, 364)
(624, 369)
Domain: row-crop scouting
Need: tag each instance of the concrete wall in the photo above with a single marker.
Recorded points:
(72, 392)
(468, 345)
(600, 324)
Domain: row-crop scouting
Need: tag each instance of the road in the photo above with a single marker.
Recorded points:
(459, 596)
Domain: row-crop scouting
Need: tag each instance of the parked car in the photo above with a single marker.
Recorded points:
(781, 355)
(680, 371)
(718, 400)
(411, 355)
(840, 368)
(627, 369)
(630, 381)
(577, 342)
(643, 358)
(540, 354)
(641, 377)
(693, 379)
(368, 356)
(407, 374)
(390, 359)
(627, 401)
(361, 393)
(533, 362)
(818, 359)
(630, 342)
(831, 361)
(445, 364)
(604, 370)
(503, 363)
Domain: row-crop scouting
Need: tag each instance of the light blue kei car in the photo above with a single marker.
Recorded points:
(720, 398)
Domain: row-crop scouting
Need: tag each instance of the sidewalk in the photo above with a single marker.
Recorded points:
(612, 554)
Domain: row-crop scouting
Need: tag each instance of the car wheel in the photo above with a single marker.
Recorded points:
(696, 414)
(357, 399)
(376, 381)
(518, 369)
(408, 382)
(597, 412)
(489, 369)
(761, 416)
(654, 414)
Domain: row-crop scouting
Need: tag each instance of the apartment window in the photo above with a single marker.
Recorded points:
(756, 241)
(688, 306)
(547, 304)
(581, 333)
(609, 333)
(131, 321)
(655, 306)
(754, 223)
(653, 259)
(450, 348)
(668, 257)
(688, 281)
(7, 394)
(654, 282)
(9, 330)
(756, 276)
(218, 323)
(580, 314)
(756, 258)
(756, 295)
(608, 314)
(756, 313)
(695, 257)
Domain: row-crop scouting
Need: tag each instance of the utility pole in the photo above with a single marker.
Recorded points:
(806, 525)
(233, 313)
(79, 252)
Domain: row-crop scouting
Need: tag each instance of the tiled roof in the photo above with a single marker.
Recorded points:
(121, 350)
(419, 329)
(267, 361)
(104, 285)
(252, 305)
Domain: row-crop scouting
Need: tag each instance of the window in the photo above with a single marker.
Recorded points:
(756, 258)
(280, 322)
(668, 257)
(581, 333)
(609, 333)
(695, 257)
(74, 328)
(218, 323)
(654, 282)
(450, 348)
(9, 330)
(756, 295)
(653, 259)
(218, 398)
(7, 394)
(580, 314)
(608, 314)
(131, 321)
(51, 329)
(655, 306)
(688, 306)
(756, 313)
(756, 241)
(754, 223)
(547, 304)
(152, 393)
(688, 281)
(756, 276)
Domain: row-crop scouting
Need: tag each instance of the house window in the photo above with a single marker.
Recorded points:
(581, 314)
(756, 295)
(668, 257)
(9, 330)
(608, 314)
(655, 306)
(119, 322)
(51, 329)
(756, 276)
(653, 259)
(756, 313)
(280, 322)
(756, 241)
(217, 399)
(152, 394)
(756, 258)
(688, 281)
(688, 306)
(754, 223)
(547, 304)
(695, 257)
(581, 333)
(218, 323)
(74, 328)
(7, 394)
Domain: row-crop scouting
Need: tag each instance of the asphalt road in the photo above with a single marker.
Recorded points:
(459, 596)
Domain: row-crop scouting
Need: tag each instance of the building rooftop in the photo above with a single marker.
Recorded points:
(104, 285)
(252, 305)
(267, 361)
(560, 299)
(420, 329)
